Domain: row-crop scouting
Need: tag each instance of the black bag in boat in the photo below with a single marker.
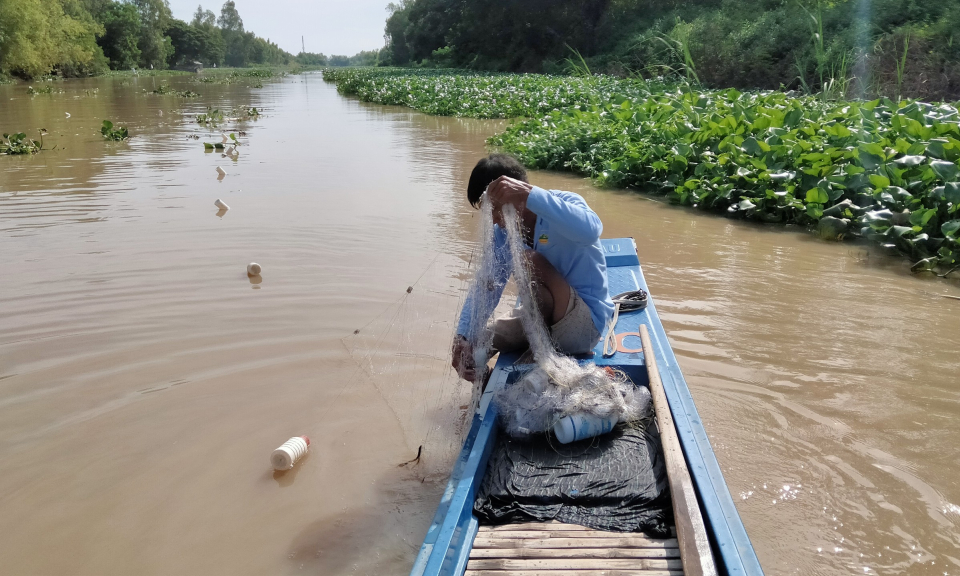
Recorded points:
(617, 482)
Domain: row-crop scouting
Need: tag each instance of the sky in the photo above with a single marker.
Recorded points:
(328, 26)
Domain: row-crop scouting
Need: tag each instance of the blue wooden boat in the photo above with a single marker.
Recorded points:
(447, 547)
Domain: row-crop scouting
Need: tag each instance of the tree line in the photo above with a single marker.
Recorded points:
(860, 47)
(88, 37)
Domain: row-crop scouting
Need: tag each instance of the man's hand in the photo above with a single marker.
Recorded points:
(463, 358)
(506, 190)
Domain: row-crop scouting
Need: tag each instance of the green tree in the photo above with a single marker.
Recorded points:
(212, 46)
(155, 46)
(187, 43)
(42, 36)
(237, 44)
(230, 20)
(311, 59)
(121, 23)
(204, 17)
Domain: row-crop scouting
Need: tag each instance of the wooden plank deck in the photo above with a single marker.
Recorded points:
(555, 549)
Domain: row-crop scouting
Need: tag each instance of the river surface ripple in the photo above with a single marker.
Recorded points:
(145, 379)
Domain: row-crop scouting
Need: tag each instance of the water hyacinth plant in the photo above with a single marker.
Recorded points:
(111, 133)
(479, 94)
(220, 145)
(19, 144)
(234, 76)
(214, 116)
(882, 170)
(41, 90)
(165, 89)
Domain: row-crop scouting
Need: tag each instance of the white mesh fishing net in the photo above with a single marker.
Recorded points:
(559, 386)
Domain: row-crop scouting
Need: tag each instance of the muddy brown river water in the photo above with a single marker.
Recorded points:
(144, 379)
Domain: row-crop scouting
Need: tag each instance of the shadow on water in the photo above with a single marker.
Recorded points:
(382, 537)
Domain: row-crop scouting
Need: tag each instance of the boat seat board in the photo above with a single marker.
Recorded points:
(555, 548)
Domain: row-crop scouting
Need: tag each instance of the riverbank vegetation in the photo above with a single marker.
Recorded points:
(863, 48)
(883, 170)
(70, 38)
(89, 37)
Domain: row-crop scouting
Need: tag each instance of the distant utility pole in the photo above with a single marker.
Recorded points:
(302, 46)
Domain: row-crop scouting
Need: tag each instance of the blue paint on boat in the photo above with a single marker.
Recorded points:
(446, 547)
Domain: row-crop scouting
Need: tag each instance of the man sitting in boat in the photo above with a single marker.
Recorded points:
(566, 261)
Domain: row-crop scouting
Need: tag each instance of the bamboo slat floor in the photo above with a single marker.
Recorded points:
(555, 549)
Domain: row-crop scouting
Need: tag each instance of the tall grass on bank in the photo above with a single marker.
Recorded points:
(883, 170)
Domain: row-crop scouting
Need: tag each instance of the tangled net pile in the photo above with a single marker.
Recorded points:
(559, 386)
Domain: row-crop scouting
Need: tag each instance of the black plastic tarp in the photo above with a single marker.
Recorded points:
(617, 482)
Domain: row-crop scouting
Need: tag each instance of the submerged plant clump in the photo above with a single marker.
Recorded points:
(883, 170)
(111, 133)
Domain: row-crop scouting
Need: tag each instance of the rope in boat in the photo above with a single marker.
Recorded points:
(629, 301)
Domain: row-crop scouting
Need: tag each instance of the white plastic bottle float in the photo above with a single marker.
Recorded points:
(253, 269)
(221, 204)
(581, 426)
(284, 457)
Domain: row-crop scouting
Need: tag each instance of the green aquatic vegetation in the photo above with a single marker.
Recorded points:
(258, 73)
(227, 76)
(41, 90)
(214, 116)
(18, 144)
(111, 133)
(220, 145)
(480, 94)
(882, 170)
(165, 89)
(144, 72)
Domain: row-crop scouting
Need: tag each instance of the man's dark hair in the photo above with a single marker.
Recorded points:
(489, 169)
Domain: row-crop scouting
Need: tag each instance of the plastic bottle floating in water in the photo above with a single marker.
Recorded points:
(581, 426)
(253, 269)
(284, 457)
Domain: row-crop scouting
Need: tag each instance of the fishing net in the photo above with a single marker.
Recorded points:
(401, 349)
(559, 385)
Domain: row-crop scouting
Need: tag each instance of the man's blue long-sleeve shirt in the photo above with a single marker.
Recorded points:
(567, 233)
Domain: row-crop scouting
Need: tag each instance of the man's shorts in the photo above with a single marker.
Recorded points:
(575, 333)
